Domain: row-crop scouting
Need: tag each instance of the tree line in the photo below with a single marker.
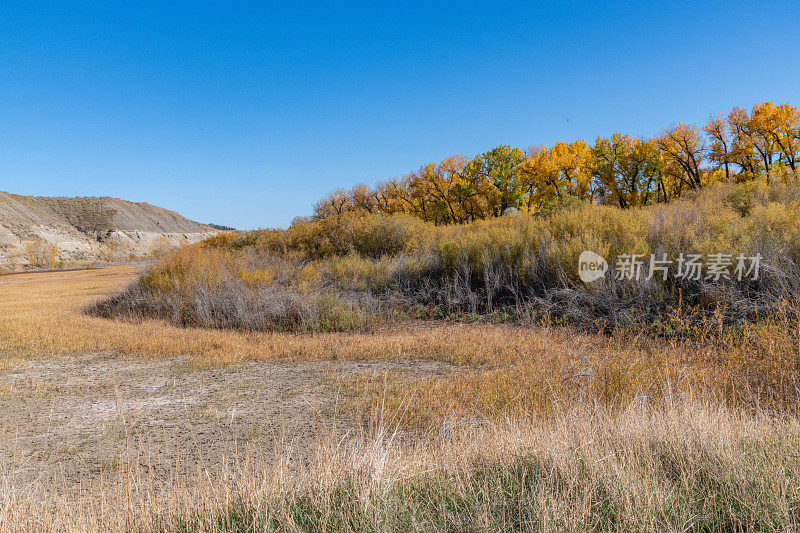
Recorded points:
(617, 170)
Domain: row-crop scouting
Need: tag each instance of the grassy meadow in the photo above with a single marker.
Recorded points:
(557, 405)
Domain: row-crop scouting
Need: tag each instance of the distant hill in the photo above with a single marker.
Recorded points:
(36, 230)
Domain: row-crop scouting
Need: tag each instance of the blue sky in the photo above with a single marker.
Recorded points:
(246, 113)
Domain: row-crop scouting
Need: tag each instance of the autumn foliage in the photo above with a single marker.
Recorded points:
(498, 237)
(617, 170)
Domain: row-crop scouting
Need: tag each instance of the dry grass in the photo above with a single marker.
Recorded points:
(503, 368)
(687, 466)
(41, 314)
(533, 428)
(545, 371)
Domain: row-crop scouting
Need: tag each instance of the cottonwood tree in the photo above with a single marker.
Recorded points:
(629, 171)
(573, 172)
(753, 139)
(720, 150)
(538, 178)
(782, 123)
(502, 185)
(743, 151)
(436, 185)
(683, 151)
(618, 170)
(336, 203)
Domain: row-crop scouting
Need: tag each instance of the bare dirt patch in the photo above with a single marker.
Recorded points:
(77, 418)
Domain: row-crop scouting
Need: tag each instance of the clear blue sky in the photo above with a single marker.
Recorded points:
(246, 113)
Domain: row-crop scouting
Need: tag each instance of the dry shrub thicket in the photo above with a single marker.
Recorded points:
(355, 272)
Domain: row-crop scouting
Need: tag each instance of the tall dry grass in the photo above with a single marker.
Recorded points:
(685, 466)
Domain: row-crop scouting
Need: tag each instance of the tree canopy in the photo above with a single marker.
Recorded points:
(617, 170)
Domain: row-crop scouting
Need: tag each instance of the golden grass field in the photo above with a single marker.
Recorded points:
(114, 425)
(502, 367)
(41, 315)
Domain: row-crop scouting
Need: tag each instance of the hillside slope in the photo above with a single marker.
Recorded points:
(35, 229)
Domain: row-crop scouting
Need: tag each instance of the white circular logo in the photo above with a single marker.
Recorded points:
(591, 266)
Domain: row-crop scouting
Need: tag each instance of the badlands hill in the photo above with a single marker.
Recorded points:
(37, 230)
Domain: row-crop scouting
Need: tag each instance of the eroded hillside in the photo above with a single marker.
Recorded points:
(41, 231)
